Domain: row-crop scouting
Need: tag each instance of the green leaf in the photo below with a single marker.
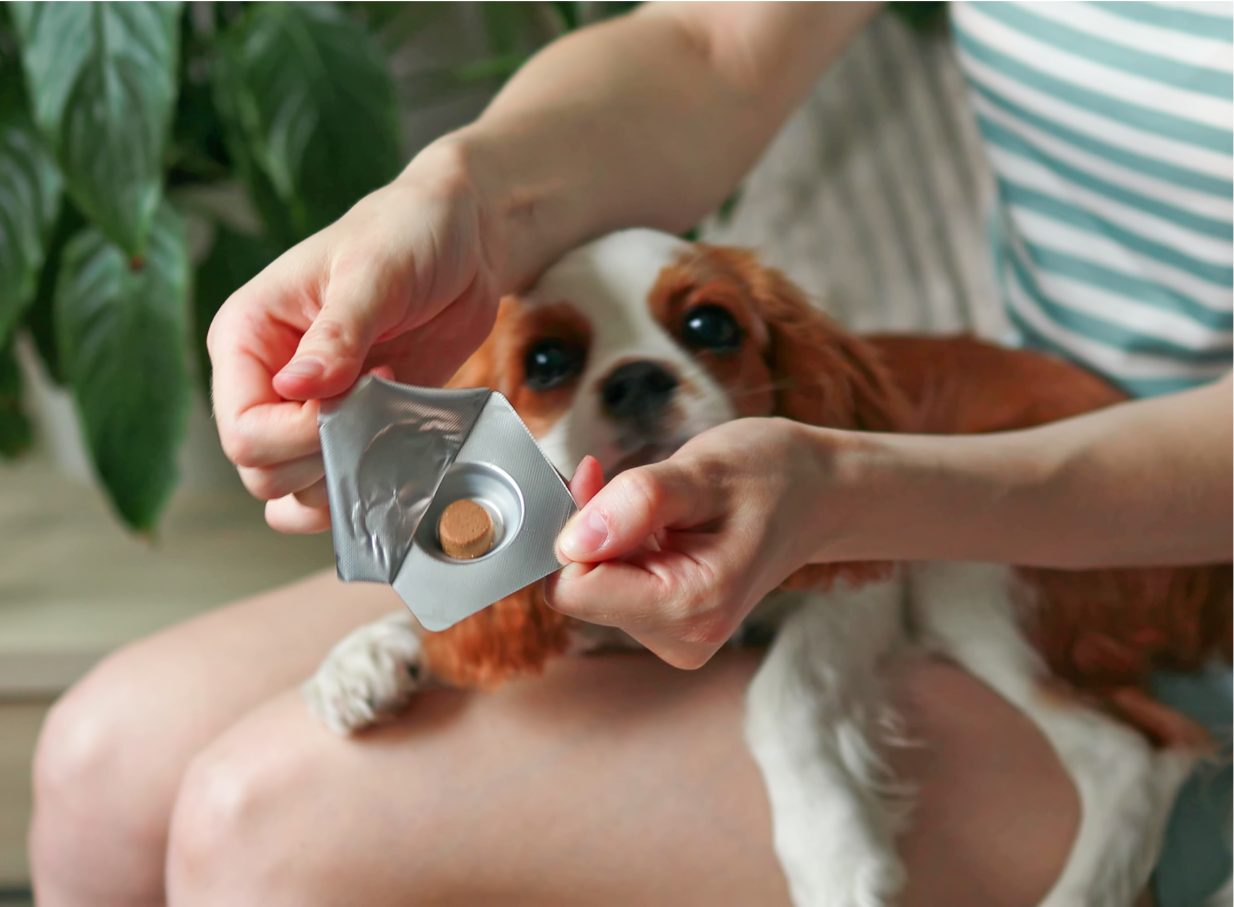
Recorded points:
(394, 24)
(512, 27)
(614, 8)
(29, 199)
(197, 153)
(588, 13)
(519, 29)
(233, 261)
(40, 315)
(102, 81)
(569, 12)
(402, 22)
(121, 329)
(16, 435)
(309, 109)
(920, 16)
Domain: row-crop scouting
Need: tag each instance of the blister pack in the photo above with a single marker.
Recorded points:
(398, 456)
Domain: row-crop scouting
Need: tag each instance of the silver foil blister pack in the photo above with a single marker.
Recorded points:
(396, 456)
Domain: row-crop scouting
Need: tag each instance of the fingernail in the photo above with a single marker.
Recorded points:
(304, 367)
(584, 536)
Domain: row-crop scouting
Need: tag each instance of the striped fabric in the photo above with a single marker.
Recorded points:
(874, 197)
(1110, 131)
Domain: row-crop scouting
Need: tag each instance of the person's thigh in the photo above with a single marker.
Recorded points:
(113, 750)
(611, 780)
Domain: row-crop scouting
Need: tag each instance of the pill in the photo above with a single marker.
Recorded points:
(465, 530)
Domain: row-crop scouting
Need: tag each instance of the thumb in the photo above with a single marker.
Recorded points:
(632, 508)
(331, 353)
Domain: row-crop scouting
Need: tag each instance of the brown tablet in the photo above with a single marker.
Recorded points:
(465, 530)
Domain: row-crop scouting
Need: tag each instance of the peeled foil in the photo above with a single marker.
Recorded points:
(396, 456)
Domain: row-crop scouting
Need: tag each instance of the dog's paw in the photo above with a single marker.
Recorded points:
(865, 879)
(372, 674)
(879, 881)
(837, 854)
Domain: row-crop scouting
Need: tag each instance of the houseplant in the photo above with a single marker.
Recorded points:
(109, 110)
(110, 107)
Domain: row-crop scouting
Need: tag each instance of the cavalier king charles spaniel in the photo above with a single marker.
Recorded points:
(631, 345)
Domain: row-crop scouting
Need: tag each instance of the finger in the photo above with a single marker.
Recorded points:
(257, 427)
(637, 602)
(661, 601)
(588, 480)
(643, 589)
(662, 640)
(314, 496)
(330, 355)
(382, 371)
(269, 435)
(634, 506)
(269, 482)
(286, 514)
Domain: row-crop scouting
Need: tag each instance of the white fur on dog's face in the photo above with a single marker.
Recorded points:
(608, 283)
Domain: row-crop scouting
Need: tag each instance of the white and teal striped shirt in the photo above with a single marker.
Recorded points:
(1110, 130)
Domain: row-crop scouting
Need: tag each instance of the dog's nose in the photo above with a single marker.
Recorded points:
(638, 391)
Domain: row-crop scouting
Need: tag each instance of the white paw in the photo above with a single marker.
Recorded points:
(848, 874)
(372, 674)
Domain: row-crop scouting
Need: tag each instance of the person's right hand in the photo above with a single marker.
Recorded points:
(406, 284)
(677, 553)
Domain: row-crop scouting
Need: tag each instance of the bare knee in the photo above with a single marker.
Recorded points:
(98, 829)
(278, 812)
(235, 836)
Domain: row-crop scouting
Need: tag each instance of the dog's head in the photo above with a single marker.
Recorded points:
(631, 345)
(627, 348)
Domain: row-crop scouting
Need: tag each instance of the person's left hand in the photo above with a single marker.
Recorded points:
(678, 552)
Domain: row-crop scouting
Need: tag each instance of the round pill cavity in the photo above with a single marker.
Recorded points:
(465, 530)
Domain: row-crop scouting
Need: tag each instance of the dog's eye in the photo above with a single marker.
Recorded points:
(710, 327)
(551, 363)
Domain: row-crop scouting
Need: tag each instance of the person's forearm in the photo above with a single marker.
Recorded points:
(1148, 482)
(646, 120)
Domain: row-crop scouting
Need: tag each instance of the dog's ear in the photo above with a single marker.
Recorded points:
(513, 638)
(482, 368)
(823, 374)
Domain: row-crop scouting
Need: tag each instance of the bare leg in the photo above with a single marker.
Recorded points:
(114, 748)
(612, 780)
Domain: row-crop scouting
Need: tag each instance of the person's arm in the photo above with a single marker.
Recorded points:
(646, 120)
(1145, 482)
(678, 552)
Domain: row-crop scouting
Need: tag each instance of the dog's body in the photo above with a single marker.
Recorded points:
(632, 345)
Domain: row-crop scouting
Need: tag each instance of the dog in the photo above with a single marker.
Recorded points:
(635, 343)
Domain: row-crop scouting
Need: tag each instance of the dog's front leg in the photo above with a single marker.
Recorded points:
(816, 720)
(375, 671)
(370, 675)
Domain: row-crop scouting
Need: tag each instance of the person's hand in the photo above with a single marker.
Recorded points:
(678, 552)
(405, 284)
